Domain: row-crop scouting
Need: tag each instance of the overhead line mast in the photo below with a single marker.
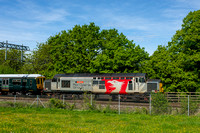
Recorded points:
(14, 46)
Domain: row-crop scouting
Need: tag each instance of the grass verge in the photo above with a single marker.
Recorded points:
(59, 120)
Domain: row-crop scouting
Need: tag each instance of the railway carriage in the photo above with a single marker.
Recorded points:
(23, 83)
(107, 83)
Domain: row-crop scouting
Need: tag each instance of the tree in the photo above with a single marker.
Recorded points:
(177, 64)
(12, 64)
(86, 49)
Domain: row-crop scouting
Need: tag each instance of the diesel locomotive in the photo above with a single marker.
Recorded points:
(102, 83)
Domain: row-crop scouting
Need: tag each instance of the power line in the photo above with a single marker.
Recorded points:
(14, 46)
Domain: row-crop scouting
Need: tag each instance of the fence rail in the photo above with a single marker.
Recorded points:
(178, 96)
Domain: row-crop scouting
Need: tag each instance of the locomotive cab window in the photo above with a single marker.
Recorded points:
(142, 80)
(37, 81)
(65, 83)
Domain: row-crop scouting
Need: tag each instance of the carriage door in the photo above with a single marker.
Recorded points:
(5, 84)
(142, 83)
(136, 84)
(58, 83)
(0, 84)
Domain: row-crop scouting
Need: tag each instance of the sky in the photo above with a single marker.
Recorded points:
(148, 23)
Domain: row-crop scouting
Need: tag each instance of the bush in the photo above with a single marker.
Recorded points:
(87, 102)
(160, 104)
(140, 111)
(56, 103)
(193, 106)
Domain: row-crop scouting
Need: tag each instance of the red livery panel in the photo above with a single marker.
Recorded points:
(118, 85)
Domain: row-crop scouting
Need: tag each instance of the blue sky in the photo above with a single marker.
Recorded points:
(148, 23)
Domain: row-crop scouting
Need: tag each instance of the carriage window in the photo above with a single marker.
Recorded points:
(122, 77)
(130, 85)
(99, 78)
(108, 78)
(141, 79)
(94, 77)
(4, 82)
(65, 83)
(101, 84)
(54, 80)
(115, 77)
(102, 77)
(136, 80)
(95, 82)
(128, 77)
(30, 82)
(16, 82)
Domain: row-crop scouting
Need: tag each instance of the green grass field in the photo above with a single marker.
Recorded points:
(59, 120)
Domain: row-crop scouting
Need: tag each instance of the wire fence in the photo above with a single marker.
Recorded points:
(154, 104)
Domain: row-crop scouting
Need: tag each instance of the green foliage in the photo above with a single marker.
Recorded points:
(87, 102)
(12, 64)
(193, 106)
(160, 104)
(87, 49)
(141, 111)
(56, 103)
(177, 64)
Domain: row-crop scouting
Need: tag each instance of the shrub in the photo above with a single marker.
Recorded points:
(193, 106)
(87, 102)
(56, 103)
(160, 104)
(140, 111)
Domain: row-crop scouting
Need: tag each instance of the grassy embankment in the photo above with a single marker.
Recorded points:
(59, 120)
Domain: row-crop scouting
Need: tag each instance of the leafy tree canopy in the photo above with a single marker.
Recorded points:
(177, 64)
(87, 49)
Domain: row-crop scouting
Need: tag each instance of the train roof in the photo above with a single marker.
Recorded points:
(20, 75)
(100, 75)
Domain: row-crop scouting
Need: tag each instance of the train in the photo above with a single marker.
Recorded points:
(78, 83)
(102, 83)
(21, 83)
